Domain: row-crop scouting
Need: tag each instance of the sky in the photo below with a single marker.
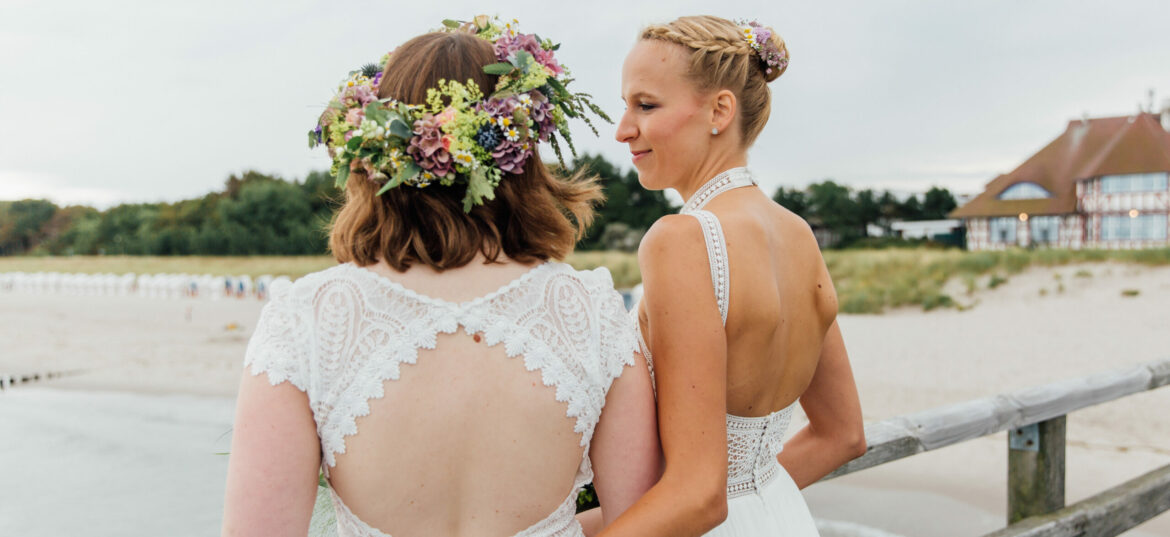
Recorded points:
(144, 101)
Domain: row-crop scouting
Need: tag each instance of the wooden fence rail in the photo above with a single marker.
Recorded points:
(903, 436)
(1036, 445)
(1106, 514)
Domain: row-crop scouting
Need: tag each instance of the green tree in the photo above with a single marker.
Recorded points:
(22, 223)
(626, 202)
(269, 217)
(794, 200)
(869, 209)
(937, 203)
(910, 209)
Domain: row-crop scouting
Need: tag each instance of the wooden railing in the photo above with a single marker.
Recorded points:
(1035, 418)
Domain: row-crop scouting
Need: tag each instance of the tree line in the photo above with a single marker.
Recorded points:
(260, 214)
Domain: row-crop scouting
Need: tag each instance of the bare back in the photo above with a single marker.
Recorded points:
(455, 404)
(782, 302)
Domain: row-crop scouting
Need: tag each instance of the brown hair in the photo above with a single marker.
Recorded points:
(722, 59)
(534, 216)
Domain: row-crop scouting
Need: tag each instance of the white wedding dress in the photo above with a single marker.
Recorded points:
(340, 334)
(762, 499)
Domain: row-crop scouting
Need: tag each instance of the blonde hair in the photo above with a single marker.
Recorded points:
(721, 58)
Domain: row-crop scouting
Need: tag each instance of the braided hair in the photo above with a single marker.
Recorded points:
(720, 58)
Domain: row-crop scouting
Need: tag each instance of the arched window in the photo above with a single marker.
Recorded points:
(1024, 191)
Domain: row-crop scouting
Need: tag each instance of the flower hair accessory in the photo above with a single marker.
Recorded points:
(460, 135)
(760, 39)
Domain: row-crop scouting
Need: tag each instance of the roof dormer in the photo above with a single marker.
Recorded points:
(1026, 190)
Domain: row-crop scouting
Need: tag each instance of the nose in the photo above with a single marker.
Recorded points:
(627, 131)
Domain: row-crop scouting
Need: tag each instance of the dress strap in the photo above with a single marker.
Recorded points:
(716, 258)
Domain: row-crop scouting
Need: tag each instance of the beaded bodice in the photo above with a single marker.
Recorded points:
(338, 335)
(752, 442)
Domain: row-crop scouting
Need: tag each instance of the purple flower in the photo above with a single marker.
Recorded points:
(542, 114)
(426, 147)
(506, 46)
(511, 156)
(358, 95)
(497, 108)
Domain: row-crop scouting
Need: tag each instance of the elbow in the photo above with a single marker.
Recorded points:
(713, 509)
(856, 445)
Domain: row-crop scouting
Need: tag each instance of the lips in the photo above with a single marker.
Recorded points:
(639, 155)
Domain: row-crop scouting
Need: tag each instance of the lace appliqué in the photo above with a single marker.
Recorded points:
(752, 447)
(339, 334)
(717, 258)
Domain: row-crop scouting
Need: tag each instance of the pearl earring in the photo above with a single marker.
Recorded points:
(714, 130)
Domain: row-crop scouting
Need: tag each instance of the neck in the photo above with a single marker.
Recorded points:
(708, 169)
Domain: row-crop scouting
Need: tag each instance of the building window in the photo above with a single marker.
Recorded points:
(1133, 182)
(1025, 191)
(1003, 230)
(1044, 229)
(1147, 227)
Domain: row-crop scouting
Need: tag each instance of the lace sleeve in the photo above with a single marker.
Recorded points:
(618, 340)
(279, 346)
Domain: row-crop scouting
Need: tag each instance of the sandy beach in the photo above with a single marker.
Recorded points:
(128, 445)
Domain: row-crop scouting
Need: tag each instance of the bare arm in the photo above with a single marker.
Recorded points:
(835, 433)
(273, 466)
(690, 355)
(627, 458)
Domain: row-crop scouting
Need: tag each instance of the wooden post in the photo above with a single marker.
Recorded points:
(1036, 469)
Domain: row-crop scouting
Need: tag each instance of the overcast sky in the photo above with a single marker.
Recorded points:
(136, 100)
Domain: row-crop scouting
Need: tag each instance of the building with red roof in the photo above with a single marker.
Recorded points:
(1100, 184)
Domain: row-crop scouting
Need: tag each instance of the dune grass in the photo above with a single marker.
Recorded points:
(867, 281)
(870, 281)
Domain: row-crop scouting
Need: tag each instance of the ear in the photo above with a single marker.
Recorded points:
(723, 107)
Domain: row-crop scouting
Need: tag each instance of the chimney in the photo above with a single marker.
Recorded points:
(1166, 114)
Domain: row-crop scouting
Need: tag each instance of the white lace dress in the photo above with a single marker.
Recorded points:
(570, 325)
(762, 499)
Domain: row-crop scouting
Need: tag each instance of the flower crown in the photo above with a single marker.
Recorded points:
(760, 39)
(460, 136)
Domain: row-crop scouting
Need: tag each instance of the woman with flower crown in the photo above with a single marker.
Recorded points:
(739, 310)
(448, 377)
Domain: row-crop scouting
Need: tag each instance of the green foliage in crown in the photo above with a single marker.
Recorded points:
(460, 136)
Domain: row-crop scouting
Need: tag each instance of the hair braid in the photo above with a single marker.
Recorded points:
(720, 58)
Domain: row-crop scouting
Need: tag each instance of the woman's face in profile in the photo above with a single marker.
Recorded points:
(667, 123)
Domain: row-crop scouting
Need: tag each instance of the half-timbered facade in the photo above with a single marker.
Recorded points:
(1104, 183)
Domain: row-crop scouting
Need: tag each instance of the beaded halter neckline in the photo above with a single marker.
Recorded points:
(730, 179)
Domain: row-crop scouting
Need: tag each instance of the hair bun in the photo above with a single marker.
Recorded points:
(778, 43)
(769, 48)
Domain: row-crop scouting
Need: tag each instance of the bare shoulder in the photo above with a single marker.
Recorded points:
(801, 248)
(673, 238)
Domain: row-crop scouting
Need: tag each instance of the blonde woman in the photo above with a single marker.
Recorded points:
(738, 315)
